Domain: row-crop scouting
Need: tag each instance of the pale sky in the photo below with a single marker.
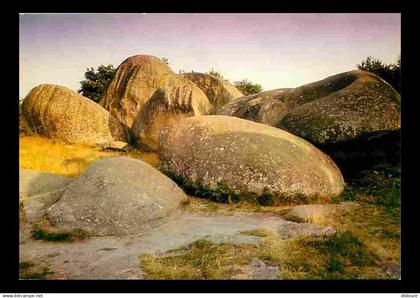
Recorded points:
(274, 50)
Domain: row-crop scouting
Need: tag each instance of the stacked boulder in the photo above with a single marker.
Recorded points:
(273, 161)
(267, 107)
(176, 99)
(218, 91)
(142, 78)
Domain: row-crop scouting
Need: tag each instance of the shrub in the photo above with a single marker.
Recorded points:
(215, 73)
(389, 72)
(247, 87)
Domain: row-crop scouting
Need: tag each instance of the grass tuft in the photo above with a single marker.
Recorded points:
(379, 186)
(26, 265)
(201, 259)
(25, 274)
(258, 232)
(76, 234)
(347, 246)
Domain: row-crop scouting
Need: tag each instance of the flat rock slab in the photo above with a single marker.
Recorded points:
(114, 257)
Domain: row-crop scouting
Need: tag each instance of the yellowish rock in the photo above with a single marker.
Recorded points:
(58, 112)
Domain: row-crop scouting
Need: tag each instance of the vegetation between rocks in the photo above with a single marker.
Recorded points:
(366, 246)
(96, 81)
(74, 235)
(60, 158)
(389, 72)
(342, 256)
(29, 270)
(222, 193)
(380, 186)
(201, 259)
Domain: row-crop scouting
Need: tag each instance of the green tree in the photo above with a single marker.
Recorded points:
(247, 87)
(215, 73)
(96, 81)
(389, 72)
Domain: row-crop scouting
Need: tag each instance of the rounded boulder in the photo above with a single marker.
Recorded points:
(117, 196)
(177, 99)
(137, 78)
(345, 107)
(58, 112)
(244, 159)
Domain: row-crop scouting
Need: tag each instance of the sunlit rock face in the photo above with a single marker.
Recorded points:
(58, 112)
(241, 157)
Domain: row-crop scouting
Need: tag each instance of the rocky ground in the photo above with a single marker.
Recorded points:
(118, 257)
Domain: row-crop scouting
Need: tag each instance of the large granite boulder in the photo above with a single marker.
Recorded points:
(137, 78)
(58, 112)
(218, 91)
(344, 107)
(177, 99)
(354, 117)
(267, 107)
(117, 196)
(244, 159)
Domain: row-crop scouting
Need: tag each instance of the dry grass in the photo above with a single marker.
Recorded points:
(317, 216)
(201, 259)
(375, 227)
(367, 241)
(343, 256)
(60, 158)
(197, 204)
(258, 232)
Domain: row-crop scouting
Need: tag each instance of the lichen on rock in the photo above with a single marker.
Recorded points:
(361, 105)
(247, 159)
